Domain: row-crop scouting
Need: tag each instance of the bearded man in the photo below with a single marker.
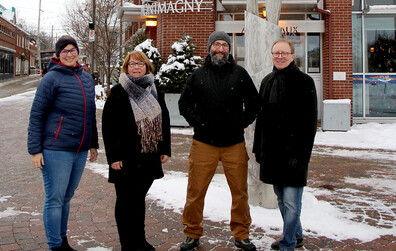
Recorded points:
(219, 100)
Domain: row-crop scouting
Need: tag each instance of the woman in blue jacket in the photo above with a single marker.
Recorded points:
(62, 128)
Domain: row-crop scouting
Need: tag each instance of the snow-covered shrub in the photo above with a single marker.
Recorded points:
(151, 52)
(173, 75)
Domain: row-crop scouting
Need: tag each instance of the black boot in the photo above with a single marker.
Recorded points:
(145, 246)
(189, 244)
(65, 245)
(57, 249)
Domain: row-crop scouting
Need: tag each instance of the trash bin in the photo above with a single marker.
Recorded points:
(336, 115)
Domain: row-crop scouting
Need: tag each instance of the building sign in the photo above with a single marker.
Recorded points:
(176, 6)
(290, 31)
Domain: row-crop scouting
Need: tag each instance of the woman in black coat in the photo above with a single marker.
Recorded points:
(136, 135)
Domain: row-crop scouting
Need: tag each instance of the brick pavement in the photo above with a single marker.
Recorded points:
(92, 225)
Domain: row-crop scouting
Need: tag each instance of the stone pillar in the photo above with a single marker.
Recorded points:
(259, 36)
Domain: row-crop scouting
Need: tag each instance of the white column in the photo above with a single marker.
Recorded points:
(259, 36)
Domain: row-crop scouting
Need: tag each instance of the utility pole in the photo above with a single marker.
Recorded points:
(38, 38)
(121, 35)
(93, 43)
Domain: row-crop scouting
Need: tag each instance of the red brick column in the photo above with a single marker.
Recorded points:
(337, 53)
(198, 25)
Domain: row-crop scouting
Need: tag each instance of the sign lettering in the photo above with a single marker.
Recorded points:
(177, 6)
(290, 31)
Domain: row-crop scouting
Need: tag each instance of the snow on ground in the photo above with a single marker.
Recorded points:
(367, 141)
(320, 217)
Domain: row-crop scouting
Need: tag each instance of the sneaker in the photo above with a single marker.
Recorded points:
(299, 244)
(245, 245)
(189, 244)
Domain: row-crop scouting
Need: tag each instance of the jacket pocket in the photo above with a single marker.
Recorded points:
(59, 127)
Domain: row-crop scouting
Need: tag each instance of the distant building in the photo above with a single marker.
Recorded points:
(18, 55)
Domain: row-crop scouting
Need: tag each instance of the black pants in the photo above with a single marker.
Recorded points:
(130, 211)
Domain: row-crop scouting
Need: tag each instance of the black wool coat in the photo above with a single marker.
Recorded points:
(285, 127)
(122, 142)
(219, 102)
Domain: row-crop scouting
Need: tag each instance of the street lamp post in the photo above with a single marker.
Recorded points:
(38, 37)
(93, 42)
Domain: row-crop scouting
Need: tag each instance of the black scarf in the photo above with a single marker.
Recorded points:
(279, 79)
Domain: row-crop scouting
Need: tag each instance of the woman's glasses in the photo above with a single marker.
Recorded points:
(72, 51)
(133, 64)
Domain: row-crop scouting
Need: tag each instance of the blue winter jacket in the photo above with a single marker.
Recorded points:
(62, 117)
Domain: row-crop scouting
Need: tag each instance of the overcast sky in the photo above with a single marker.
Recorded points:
(52, 12)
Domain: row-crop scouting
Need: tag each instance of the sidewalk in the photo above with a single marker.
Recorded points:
(14, 80)
(92, 225)
(9, 87)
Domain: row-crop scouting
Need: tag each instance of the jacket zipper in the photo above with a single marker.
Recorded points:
(59, 127)
(85, 112)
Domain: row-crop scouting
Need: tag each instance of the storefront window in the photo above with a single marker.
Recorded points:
(313, 53)
(240, 49)
(292, 16)
(380, 2)
(225, 17)
(357, 38)
(6, 65)
(357, 95)
(381, 95)
(356, 5)
(380, 33)
(298, 40)
(313, 17)
(239, 17)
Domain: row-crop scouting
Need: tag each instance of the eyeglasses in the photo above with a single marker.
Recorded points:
(72, 51)
(133, 64)
(218, 45)
(282, 54)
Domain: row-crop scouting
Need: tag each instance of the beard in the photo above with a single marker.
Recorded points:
(219, 61)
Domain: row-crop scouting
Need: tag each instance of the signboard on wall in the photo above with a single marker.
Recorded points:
(176, 6)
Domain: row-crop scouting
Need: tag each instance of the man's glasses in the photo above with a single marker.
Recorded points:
(133, 64)
(72, 51)
(218, 45)
(282, 54)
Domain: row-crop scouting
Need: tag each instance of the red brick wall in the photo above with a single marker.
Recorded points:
(198, 25)
(338, 51)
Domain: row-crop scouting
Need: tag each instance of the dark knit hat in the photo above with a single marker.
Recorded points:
(218, 35)
(62, 42)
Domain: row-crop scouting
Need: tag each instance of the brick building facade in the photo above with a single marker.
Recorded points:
(17, 53)
(338, 42)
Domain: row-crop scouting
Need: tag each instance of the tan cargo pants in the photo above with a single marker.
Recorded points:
(203, 163)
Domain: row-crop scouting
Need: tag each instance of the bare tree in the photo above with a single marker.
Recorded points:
(45, 38)
(79, 15)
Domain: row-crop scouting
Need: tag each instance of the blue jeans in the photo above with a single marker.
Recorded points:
(290, 203)
(62, 173)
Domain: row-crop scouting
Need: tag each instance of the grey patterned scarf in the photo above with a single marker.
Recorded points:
(148, 114)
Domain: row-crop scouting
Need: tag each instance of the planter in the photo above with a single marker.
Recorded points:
(171, 100)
